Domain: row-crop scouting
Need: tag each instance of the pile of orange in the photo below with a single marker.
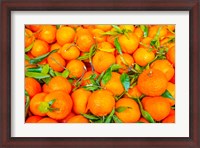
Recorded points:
(99, 73)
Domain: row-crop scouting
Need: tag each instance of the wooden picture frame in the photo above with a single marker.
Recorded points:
(7, 6)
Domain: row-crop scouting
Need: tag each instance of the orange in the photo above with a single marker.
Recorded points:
(32, 86)
(39, 48)
(84, 40)
(106, 46)
(157, 107)
(48, 33)
(56, 62)
(45, 88)
(59, 83)
(98, 35)
(78, 119)
(102, 60)
(69, 51)
(138, 31)
(169, 119)
(152, 82)
(171, 27)
(131, 113)
(47, 120)
(76, 68)
(80, 100)
(33, 119)
(114, 85)
(104, 27)
(29, 37)
(101, 102)
(171, 55)
(55, 46)
(165, 66)
(35, 103)
(129, 44)
(142, 56)
(154, 29)
(63, 104)
(145, 42)
(71, 114)
(125, 60)
(34, 28)
(85, 79)
(134, 92)
(127, 27)
(65, 35)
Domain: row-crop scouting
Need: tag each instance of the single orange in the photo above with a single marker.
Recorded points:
(104, 27)
(171, 55)
(76, 68)
(134, 92)
(125, 60)
(65, 120)
(33, 119)
(106, 46)
(69, 51)
(152, 82)
(47, 120)
(131, 112)
(32, 86)
(98, 35)
(39, 48)
(48, 33)
(29, 37)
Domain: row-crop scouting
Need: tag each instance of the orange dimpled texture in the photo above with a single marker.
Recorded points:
(48, 33)
(69, 51)
(152, 82)
(76, 68)
(39, 48)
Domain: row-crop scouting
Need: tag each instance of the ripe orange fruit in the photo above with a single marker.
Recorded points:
(85, 79)
(60, 83)
(142, 56)
(102, 60)
(35, 102)
(154, 29)
(47, 120)
(165, 66)
(69, 51)
(76, 68)
(131, 113)
(80, 100)
(125, 60)
(103, 27)
(157, 107)
(171, 55)
(63, 104)
(114, 85)
(145, 42)
(171, 27)
(134, 92)
(34, 28)
(65, 120)
(138, 31)
(143, 120)
(84, 40)
(65, 35)
(29, 37)
(129, 44)
(56, 62)
(98, 35)
(152, 82)
(48, 33)
(169, 119)
(106, 46)
(32, 86)
(78, 119)
(46, 89)
(39, 48)
(55, 46)
(101, 102)
(127, 27)
(33, 119)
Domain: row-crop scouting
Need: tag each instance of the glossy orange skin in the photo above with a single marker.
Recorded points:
(48, 33)
(32, 86)
(40, 48)
(78, 71)
(33, 119)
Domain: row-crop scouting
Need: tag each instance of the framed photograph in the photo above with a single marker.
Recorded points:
(134, 64)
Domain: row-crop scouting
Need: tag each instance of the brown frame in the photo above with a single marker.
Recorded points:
(132, 5)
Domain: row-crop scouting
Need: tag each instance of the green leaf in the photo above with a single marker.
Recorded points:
(115, 67)
(26, 93)
(112, 33)
(46, 80)
(122, 108)
(107, 76)
(65, 73)
(125, 80)
(118, 30)
(84, 57)
(45, 69)
(57, 26)
(51, 72)
(109, 117)
(34, 69)
(40, 58)
(147, 116)
(117, 45)
(138, 68)
(90, 117)
(100, 77)
(27, 57)
(27, 104)
(145, 30)
(51, 102)
(29, 47)
(43, 107)
(91, 87)
(167, 94)
(57, 73)
(116, 119)
(36, 75)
